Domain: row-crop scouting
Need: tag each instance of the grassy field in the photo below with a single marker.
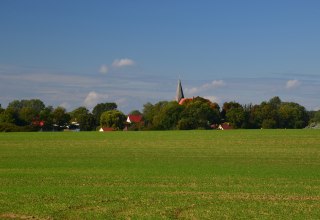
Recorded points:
(239, 174)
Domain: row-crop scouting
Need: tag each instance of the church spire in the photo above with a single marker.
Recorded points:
(179, 94)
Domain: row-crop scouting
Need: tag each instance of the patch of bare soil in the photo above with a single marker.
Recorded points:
(19, 216)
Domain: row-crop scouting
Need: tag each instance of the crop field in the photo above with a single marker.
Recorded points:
(238, 174)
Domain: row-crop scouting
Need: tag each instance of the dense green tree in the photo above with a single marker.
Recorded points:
(85, 119)
(24, 112)
(268, 123)
(36, 104)
(77, 112)
(114, 119)
(87, 122)
(102, 107)
(60, 117)
(9, 115)
(27, 115)
(150, 111)
(46, 117)
(168, 116)
(236, 116)
(212, 105)
(275, 102)
(265, 111)
(316, 116)
(226, 107)
(248, 118)
(187, 124)
(1, 109)
(200, 115)
(292, 115)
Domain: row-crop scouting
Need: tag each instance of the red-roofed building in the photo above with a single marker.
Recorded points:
(134, 123)
(185, 100)
(225, 126)
(134, 119)
(106, 129)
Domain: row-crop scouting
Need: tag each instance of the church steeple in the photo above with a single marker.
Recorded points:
(179, 94)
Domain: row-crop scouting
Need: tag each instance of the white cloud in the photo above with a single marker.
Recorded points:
(93, 98)
(192, 90)
(291, 84)
(104, 69)
(122, 62)
(214, 84)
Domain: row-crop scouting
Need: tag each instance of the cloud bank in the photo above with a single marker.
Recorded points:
(205, 87)
(291, 84)
(118, 63)
(93, 98)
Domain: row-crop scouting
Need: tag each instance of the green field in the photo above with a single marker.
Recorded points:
(238, 174)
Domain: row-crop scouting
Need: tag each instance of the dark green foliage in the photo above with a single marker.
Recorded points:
(113, 119)
(236, 116)
(271, 114)
(60, 117)
(168, 116)
(150, 111)
(195, 113)
(46, 117)
(201, 113)
(35, 104)
(187, 124)
(102, 107)
(9, 127)
(82, 116)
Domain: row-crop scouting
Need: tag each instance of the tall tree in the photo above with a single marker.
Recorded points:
(46, 117)
(84, 118)
(114, 119)
(168, 116)
(60, 117)
(36, 104)
(292, 115)
(102, 107)
(27, 115)
(150, 111)
(198, 114)
(236, 116)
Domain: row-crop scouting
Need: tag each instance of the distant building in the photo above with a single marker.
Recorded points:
(182, 101)
(134, 118)
(105, 129)
(179, 93)
(134, 123)
(225, 126)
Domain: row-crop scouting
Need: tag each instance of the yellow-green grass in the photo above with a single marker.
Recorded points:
(238, 174)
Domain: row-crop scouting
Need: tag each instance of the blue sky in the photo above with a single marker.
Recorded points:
(80, 53)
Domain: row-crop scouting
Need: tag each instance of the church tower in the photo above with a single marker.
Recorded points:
(179, 93)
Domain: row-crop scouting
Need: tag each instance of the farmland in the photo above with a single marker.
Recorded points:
(237, 174)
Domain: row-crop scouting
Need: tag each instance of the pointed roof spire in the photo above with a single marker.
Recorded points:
(179, 94)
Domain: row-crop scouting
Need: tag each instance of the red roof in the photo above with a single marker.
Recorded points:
(134, 118)
(226, 126)
(185, 99)
(107, 129)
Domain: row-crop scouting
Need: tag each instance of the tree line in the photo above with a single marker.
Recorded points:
(196, 113)
(33, 115)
